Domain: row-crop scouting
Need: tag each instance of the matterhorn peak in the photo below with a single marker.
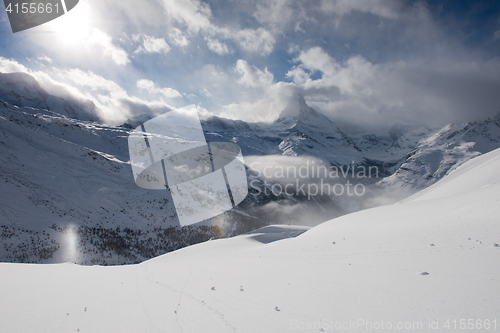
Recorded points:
(296, 105)
(297, 111)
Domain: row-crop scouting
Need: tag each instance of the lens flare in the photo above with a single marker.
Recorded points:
(71, 243)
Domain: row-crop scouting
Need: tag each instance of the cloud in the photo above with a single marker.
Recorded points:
(193, 13)
(264, 108)
(368, 62)
(251, 76)
(316, 59)
(152, 45)
(285, 16)
(117, 54)
(374, 95)
(197, 17)
(11, 66)
(217, 46)
(207, 93)
(89, 79)
(277, 14)
(44, 58)
(258, 41)
(151, 87)
(383, 8)
(178, 38)
(76, 38)
(115, 105)
(362, 92)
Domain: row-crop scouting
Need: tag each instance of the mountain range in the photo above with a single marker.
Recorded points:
(426, 264)
(63, 172)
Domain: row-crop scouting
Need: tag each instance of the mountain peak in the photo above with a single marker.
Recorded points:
(297, 111)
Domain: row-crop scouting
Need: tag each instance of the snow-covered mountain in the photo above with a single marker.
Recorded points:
(60, 175)
(63, 174)
(428, 264)
(299, 131)
(302, 131)
(436, 155)
(23, 90)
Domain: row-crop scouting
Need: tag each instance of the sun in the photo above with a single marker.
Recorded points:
(73, 26)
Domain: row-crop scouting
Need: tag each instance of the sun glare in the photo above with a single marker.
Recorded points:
(75, 25)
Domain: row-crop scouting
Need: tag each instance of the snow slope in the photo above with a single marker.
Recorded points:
(429, 260)
(23, 90)
(436, 155)
(58, 174)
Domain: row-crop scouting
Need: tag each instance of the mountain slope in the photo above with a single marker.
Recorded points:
(305, 131)
(431, 260)
(436, 155)
(22, 90)
(59, 175)
(299, 131)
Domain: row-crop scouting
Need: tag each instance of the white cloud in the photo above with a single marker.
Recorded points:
(89, 79)
(193, 13)
(217, 46)
(151, 87)
(197, 16)
(153, 45)
(279, 14)
(44, 58)
(207, 93)
(116, 53)
(251, 76)
(371, 95)
(178, 38)
(114, 104)
(384, 8)
(283, 16)
(258, 41)
(316, 59)
(359, 91)
(11, 66)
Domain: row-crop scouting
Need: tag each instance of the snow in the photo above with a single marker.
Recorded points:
(437, 154)
(23, 90)
(368, 266)
(58, 170)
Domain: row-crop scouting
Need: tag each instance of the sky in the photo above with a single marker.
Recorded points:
(369, 64)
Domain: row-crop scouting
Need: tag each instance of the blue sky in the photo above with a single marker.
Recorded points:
(369, 63)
